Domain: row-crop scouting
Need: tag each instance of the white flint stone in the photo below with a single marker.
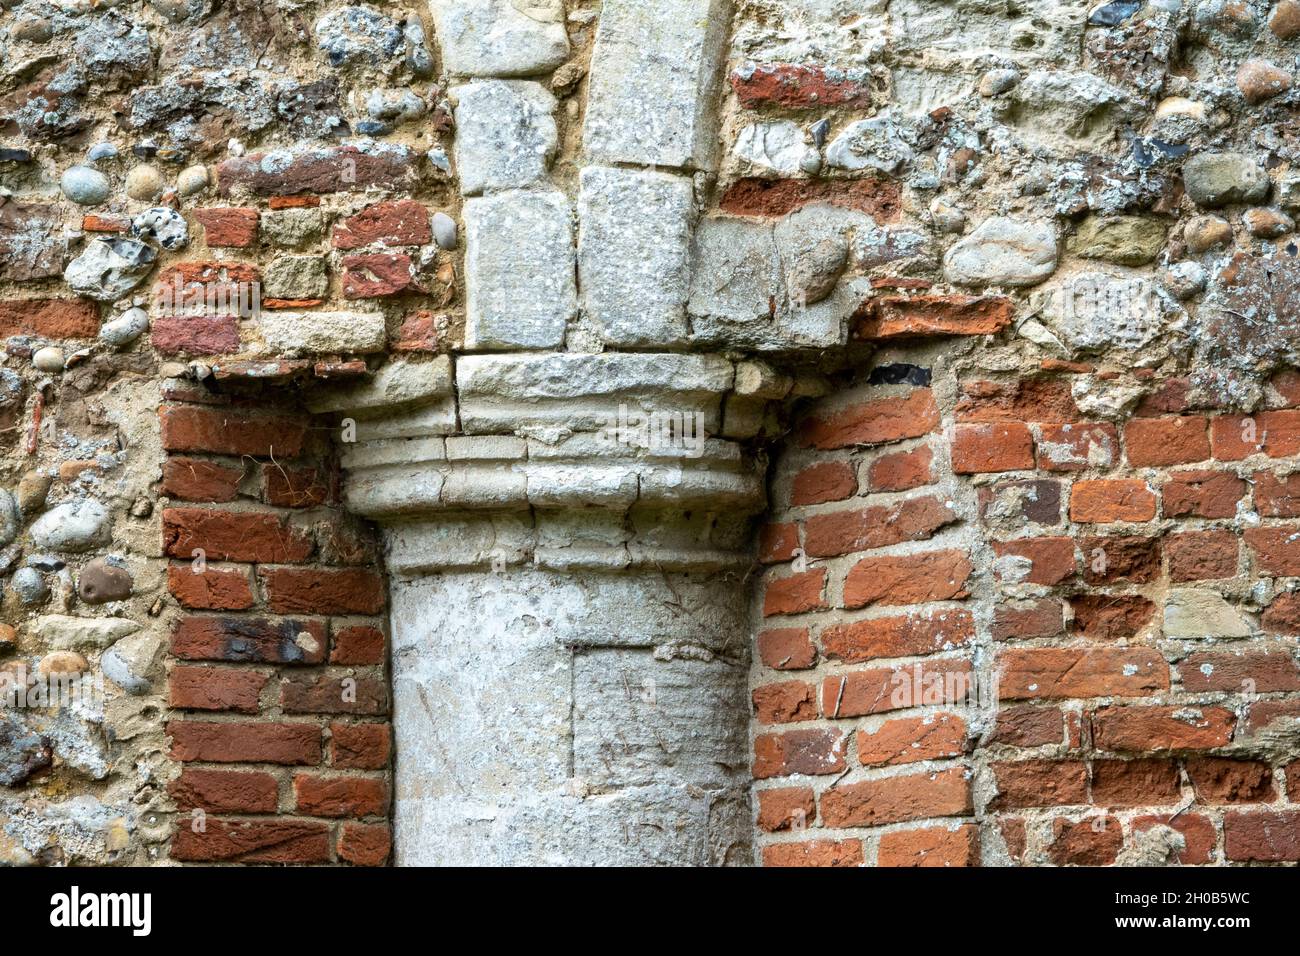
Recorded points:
(879, 143)
(1003, 252)
(519, 270)
(633, 253)
(654, 76)
(505, 134)
(73, 526)
(125, 329)
(129, 662)
(496, 38)
(776, 149)
(1093, 310)
(296, 333)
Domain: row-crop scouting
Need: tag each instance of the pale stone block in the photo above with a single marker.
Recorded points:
(505, 134)
(399, 382)
(519, 270)
(297, 333)
(654, 81)
(500, 37)
(633, 253)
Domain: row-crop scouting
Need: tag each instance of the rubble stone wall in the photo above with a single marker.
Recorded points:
(795, 432)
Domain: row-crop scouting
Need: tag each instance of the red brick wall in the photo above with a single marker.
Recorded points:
(986, 525)
(277, 667)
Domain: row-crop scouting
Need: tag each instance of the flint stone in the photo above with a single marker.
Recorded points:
(74, 526)
(110, 268)
(1004, 252)
(125, 329)
(104, 580)
(496, 38)
(165, 226)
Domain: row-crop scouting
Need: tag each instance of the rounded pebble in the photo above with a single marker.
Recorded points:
(125, 329)
(29, 584)
(48, 359)
(144, 183)
(444, 230)
(192, 180)
(62, 662)
(85, 186)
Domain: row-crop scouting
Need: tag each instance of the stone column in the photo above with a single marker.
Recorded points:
(569, 617)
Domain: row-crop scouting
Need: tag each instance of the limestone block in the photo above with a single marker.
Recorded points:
(519, 270)
(654, 81)
(500, 37)
(633, 253)
(298, 333)
(399, 382)
(505, 134)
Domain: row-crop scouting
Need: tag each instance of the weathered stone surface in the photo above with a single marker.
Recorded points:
(358, 33)
(296, 277)
(1093, 310)
(505, 134)
(129, 662)
(633, 253)
(776, 149)
(109, 268)
(1125, 240)
(298, 333)
(30, 244)
(519, 270)
(22, 753)
(1004, 252)
(63, 631)
(1221, 179)
(74, 526)
(654, 78)
(1202, 614)
(879, 144)
(499, 37)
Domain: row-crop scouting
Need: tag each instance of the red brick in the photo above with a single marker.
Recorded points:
(224, 791)
(193, 479)
(195, 334)
(1135, 783)
(1021, 502)
(1092, 841)
(795, 594)
(1162, 728)
(1053, 672)
(49, 318)
(333, 695)
(1158, 442)
(786, 648)
(1116, 499)
(1246, 671)
(1028, 619)
(992, 447)
(832, 853)
(777, 542)
(1275, 433)
(365, 844)
(908, 579)
(1051, 559)
(873, 423)
(226, 432)
(317, 591)
(1198, 834)
(1170, 397)
(214, 688)
(878, 197)
(910, 739)
(812, 751)
(247, 742)
(1201, 555)
(843, 532)
(1116, 559)
(228, 227)
(360, 746)
(378, 275)
(1218, 780)
(877, 690)
(1264, 713)
(901, 470)
(294, 487)
(896, 799)
(1076, 446)
(932, 846)
(358, 645)
(904, 636)
(401, 223)
(1203, 494)
(1276, 496)
(827, 481)
(785, 702)
(293, 202)
(253, 841)
(94, 223)
(794, 86)
(1277, 550)
(1039, 783)
(418, 333)
(891, 317)
(212, 590)
(340, 796)
(232, 536)
(786, 808)
(328, 170)
(249, 639)
(1110, 617)
(1268, 837)
(1027, 725)
(1027, 400)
